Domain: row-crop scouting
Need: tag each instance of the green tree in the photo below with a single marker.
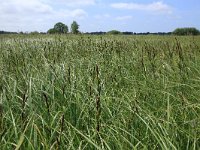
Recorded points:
(74, 27)
(186, 31)
(34, 33)
(51, 31)
(60, 28)
(114, 32)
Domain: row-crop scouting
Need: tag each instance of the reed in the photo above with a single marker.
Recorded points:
(99, 92)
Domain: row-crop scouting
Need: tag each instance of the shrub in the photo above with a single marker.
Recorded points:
(51, 31)
(114, 32)
(186, 31)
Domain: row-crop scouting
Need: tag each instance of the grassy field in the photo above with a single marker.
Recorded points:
(99, 92)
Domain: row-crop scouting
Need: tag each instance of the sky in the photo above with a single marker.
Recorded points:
(99, 15)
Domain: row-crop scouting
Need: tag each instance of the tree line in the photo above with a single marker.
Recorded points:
(178, 31)
(7, 32)
(61, 28)
(186, 31)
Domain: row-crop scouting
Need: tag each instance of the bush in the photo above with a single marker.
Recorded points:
(186, 31)
(51, 31)
(114, 32)
(34, 33)
(59, 28)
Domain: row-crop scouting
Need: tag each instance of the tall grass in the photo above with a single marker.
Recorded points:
(92, 92)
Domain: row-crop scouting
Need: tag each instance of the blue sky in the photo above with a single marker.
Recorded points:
(100, 15)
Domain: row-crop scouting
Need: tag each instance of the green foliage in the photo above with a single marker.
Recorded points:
(34, 33)
(74, 27)
(99, 92)
(59, 28)
(186, 31)
(114, 32)
(51, 31)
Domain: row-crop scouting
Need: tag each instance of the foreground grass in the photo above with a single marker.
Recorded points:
(91, 92)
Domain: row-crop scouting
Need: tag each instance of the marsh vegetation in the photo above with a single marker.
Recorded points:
(99, 92)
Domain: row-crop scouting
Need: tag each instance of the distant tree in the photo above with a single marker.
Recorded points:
(7, 32)
(96, 33)
(186, 31)
(74, 27)
(34, 33)
(114, 32)
(127, 33)
(60, 28)
(43, 33)
(51, 31)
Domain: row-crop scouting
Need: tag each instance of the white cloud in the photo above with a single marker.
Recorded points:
(21, 6)
(29, 15)
(73, 3)
(79, 13)
(122, 18)
(155, 6)
(76, 14)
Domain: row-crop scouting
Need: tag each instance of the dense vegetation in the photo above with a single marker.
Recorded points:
(92, 92)
(186, 31)
(114, 32)
(74, 27)
(61, 28)
(7, 32)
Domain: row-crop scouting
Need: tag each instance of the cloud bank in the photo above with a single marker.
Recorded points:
(35, 14)
(155, 7)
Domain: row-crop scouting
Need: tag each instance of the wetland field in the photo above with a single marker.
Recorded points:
(99, 92)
